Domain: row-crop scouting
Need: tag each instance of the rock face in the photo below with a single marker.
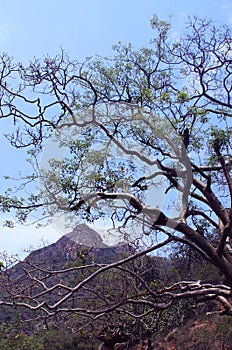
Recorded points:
(84, 235)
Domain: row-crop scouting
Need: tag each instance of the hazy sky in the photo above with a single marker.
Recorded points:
(82, 28)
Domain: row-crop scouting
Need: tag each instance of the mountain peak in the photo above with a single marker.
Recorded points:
(82, 234)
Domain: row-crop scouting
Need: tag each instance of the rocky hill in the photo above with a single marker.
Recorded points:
(60, 253)
(184, 327)
(81, 246)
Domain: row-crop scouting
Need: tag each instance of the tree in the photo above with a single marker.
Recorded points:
(142, 120)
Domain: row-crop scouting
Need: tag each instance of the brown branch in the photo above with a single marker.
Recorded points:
(212, 199)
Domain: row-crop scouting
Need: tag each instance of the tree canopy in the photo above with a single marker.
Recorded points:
(145, 142)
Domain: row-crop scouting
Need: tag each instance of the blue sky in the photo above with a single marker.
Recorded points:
(82, 28)
(34, 28)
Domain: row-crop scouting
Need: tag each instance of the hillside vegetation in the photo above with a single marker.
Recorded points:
(183, 326)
